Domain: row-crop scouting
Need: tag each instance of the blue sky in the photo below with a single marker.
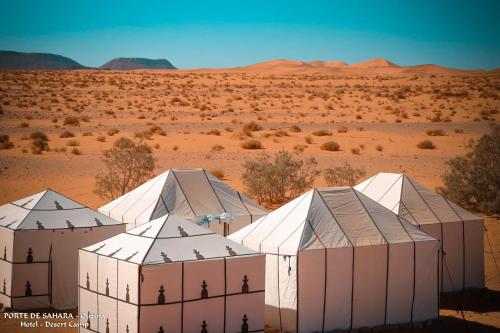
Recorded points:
(192, 34)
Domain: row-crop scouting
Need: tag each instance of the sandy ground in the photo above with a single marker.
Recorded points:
(389, 108)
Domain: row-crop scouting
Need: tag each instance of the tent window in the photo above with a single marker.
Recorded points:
(161, 295)
(204, 291)
(29, 257)
(245, 288)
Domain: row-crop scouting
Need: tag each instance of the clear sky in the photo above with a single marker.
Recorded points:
(192, 34)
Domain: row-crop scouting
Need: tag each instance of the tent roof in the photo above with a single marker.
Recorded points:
(168, 239)
(409, 199)
(183, 192)
(327, 218)
(50, 210)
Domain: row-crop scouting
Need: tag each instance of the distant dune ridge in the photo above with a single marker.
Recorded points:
(22, 60)
(137, 63)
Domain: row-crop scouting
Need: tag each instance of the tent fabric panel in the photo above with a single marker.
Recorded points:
(28, 303)
(87, 267)
(453, 259)
(168, 276)
(434, 230)
(370, 266)
(288, 292)
(426, 281)
(311, 295)
(392, 194)
(172, 198)
(209, 310)
(249, 305)
(474, 254)
(290, 246)
(253, 267)
(5, 282)
(167, 316)
(127, 317)
(376, 186)
(437, 204)
(228, 197)
(7, 245)
(199, 192)
(12, 216)
(400, 283)
(128, 274)
(88, 307)
(338, 289)
(236, 223)
(36, 274)
(107, 279)
(39, 241)
(210, 271)
(123, 246)
(108, 310)
(464, 215)
(272, 301)
(30, 201)
(50, 200)
(5, 300)
(255, 209)
(352, 216)
(415, 204)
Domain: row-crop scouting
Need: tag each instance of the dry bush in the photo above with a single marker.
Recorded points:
(101, 138)
(344, 175)
(330, 146)
(219, 173)
(39, 142)
(278, 180)
(72, 143)
(113, 131)
(322, 133)
(24, 124)
(128, 164)
(426, 144)
(435, 132)
(66, 134)
(217, 147)
(76, 151)
(175, 148)
(299, 148)
(87, 134)
(5, 142)
(379, 147)
(459, 130)
(342, 129)
(355, 151)
(72, 121)
(308, 139)
(157, 130)
(213, 132)
(251, 127)
(295, 128)
(251, 144)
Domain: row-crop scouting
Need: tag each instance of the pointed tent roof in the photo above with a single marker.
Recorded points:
(168, 239)
(50, 210)
(185, 192)
(327, 218)
(412, 201)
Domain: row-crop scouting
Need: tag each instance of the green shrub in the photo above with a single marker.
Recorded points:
(251, 144)
(344, 175)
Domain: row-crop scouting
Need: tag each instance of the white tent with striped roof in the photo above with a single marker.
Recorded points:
(460, 232)
(336, 259)
(39, 240)
(194, 194)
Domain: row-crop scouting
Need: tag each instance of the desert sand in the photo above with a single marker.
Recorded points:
(376, 111)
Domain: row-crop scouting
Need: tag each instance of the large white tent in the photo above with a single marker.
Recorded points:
(336, 259)
(170, 275)
(39, 240)
(460, 232)
(191, 193)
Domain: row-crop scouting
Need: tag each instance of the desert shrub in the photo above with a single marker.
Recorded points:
(5, 142)
(251, 144)
(322, 133)
(426, 144)
(330, 146)
(113, 131)
(280, 179)
(379, 147)
(72, 121)
(87, 134)
(213, 132)
(219, 173)
(459, 130)
(435, 132)
(299, 148)
(127, 165)
(344, 175)
(355, 151)
(25, 124)
(217, 147)
(175, 148)
(39, 142)
(72, 143)
(295, 128)
(342, 129)
(157, 130)
(101, 138)
(308, 139)
(473, 180)
(66, 134)
(251, 127)
(76, 151)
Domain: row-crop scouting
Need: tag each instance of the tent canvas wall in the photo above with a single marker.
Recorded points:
(170, 275)
(191, 193)
(336, 259)
(39, 240)
(460, 232)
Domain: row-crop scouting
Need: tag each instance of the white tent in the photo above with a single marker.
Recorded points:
(191, 193)
(460, 232)
(39, 240)
(338, 260)
(170, 275)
